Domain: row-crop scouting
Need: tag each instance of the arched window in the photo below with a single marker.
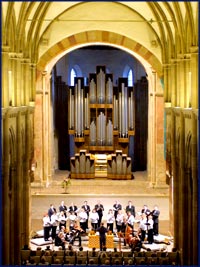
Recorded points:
(128, 73)
(72, 76)
(130, 78)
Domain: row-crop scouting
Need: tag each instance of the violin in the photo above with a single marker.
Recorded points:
(76, 227)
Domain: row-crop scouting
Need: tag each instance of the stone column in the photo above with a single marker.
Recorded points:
(180, 85)
(17, 79)
(5, 189)
(25, 62)
(183, 196)
(18, 212)
(156, 163)
(46, 128)
(173, 79)
(167, 83)
(175, 181)
(194, 77)
(32, 89)
(5, 76)
(195, 226)
(27, 169)
(151, 128)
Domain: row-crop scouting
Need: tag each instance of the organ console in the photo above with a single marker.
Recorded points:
(101, 118)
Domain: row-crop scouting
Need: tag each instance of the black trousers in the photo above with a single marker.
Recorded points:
(155, 228)
(143, 234)
(94, 226)
(53, 231)
(119, 228)
(150, 236)
(46, 232)
(83, 225)
(102, 240)
(110, 227)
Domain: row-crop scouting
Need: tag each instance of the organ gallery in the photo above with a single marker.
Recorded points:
(101, 120)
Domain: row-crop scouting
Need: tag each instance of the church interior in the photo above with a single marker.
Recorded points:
(100, 103)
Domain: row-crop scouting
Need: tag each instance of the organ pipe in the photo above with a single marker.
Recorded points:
(131, 111)
(93, 133)
(101, 87)
(92, 92)
(109, 91)
(76, 113)
(119, 116)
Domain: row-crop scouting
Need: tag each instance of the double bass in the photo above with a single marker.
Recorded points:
(131, 239)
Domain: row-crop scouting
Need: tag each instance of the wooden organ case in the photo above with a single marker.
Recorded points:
(101, 119)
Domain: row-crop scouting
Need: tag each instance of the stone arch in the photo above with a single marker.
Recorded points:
(95, 37)
(46, 62)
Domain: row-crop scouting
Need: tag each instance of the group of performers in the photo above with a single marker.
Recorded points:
(122, 219)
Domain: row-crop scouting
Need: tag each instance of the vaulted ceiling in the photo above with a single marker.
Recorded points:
(155, 31)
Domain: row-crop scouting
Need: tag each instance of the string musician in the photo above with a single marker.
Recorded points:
(129, 223)
(75, 233)
(60, 239)
(135, 240)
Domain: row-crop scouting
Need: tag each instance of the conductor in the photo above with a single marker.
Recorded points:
(102, 233)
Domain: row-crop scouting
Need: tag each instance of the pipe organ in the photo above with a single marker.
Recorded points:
(101, 118)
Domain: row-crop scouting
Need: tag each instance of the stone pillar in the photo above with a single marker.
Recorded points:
(180, 85)
(18, 188)
(38, 127)
(5, 190)
(167, 83)
(152, 124)
(183, 196)
(194, 77)
(195, 226)
(27, 169)
(173, 79)
(25, 62)
(156, 162)
(188, 83)
(17, 77)
(43, 140)
(5, 76)
(46, 127)
(175, 181)
(32, 89)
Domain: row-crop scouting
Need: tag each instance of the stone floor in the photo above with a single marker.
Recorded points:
(137, 186)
